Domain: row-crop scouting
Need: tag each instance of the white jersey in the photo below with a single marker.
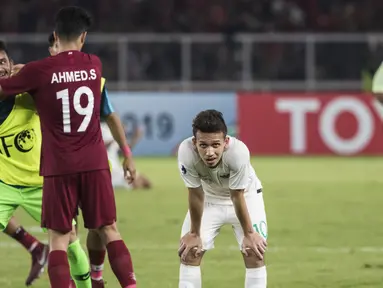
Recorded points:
(114, 160)
(113, 148)
(234, 172)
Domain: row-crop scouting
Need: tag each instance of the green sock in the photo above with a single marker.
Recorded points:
(79, 265)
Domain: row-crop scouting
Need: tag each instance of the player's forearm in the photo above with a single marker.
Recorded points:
(196, 202)
(241, 211)
(117, 130)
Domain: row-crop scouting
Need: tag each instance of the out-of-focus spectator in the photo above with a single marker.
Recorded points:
(205, 16)
(222, 61)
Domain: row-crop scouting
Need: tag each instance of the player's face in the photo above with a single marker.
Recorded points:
(210, 147)
(5, 65)
(54, 49)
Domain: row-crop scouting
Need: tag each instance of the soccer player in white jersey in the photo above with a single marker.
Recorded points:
(118, 179)
(223, 189)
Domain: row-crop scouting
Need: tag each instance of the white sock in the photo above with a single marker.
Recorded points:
(190, 277)
(256, 277)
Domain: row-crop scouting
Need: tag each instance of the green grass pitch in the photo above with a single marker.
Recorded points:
(325, 221)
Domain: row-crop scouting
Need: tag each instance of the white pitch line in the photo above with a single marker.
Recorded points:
(272, 249)
(319, 250)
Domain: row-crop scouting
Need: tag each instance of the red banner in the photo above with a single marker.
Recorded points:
(323, 123)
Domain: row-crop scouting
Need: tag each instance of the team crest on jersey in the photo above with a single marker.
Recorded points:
(183, 169)
(25, 140)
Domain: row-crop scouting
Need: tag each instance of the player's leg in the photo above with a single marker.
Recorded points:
(39, 251)
(78, 262)
(256, 275)
(28, 241)
(60, 199)
(11, 198)
(96, 252)
(212, 220)
(99, 212)
(58, 264)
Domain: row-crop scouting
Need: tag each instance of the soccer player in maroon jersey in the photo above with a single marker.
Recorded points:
(66, 91)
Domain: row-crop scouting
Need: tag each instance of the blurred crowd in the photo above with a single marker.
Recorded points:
(217, 61)
(201, 15)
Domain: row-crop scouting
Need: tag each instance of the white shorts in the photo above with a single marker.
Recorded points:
(216, 215)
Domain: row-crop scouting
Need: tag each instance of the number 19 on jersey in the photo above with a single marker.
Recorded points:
(86, 111)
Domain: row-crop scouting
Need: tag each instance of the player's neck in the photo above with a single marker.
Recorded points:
(69, 46)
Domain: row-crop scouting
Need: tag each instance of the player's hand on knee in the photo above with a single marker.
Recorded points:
(190, 243)
(254, 242)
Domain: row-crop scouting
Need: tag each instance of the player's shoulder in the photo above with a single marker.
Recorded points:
(186, 150)
(94, 59)
(36, 64)
(236, 151)
(236, 146)
(44, 64)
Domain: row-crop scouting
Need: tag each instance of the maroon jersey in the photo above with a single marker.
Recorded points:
(66, 90)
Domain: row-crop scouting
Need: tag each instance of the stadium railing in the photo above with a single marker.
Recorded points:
(211, 62)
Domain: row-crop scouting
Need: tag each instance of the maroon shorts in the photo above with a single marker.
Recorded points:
(91, 191)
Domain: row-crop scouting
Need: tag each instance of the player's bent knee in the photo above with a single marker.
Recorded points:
(192, 260)
(109, 233)
(58, 240)
(252, 260)
(73, 235)
(108, 229)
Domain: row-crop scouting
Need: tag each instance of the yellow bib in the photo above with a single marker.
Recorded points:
(20, 144)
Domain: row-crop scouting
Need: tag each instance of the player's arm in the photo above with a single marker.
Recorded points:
(193, 182)
(196, 200)
(237, 196)
(24, 81)
(377, 84)
(239, 160)
(114, 123)
(117, 130)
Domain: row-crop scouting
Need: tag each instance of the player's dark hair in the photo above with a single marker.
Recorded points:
(3, 47)
(71, 22)
(209, 121)
(51, 40)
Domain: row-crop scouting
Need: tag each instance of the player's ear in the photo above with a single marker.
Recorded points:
(55, 36)
(83, 37)
(227, 140)
(194, 141)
